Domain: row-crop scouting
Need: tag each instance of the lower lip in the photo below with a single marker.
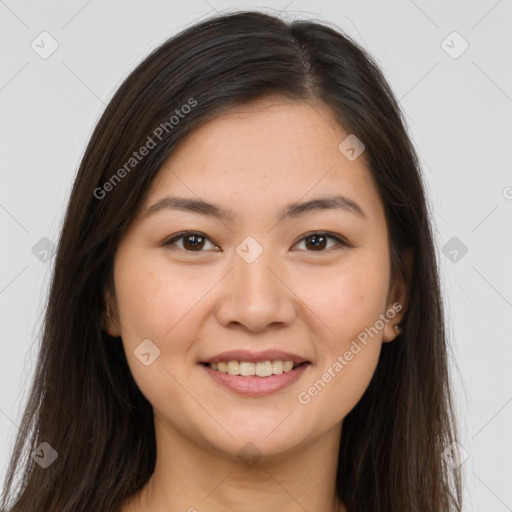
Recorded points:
(257, 386)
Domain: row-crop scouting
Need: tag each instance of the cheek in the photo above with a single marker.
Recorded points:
(349, 298)
(349, 349)
(154, 301)
(164, 306)
(339, 386)
(351, 301)
(153, 307)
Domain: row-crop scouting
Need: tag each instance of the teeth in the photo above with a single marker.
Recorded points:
(264, 369)
(247, 369)
(277, 367)
(233, 368)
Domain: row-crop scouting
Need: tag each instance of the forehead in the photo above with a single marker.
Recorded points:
(271, 131)
(272, 150)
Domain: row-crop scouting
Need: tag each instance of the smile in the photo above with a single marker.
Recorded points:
(255, 379)
(248, 369)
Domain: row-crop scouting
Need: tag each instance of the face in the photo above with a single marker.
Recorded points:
(263, 281)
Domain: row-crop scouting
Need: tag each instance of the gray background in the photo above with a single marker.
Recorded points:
(459, 113)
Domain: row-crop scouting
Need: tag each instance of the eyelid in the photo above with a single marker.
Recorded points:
(341, 242)
(171, 241)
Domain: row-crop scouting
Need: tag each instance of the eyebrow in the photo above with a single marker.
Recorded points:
(292, 210)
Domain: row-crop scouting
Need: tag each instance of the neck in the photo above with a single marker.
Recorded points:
(193, 478)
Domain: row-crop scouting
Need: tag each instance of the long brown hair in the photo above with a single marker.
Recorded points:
(83, 400)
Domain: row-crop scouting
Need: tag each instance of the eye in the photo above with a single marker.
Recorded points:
(192, 241)
(318, 241)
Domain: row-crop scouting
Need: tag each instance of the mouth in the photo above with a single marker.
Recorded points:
(261, 369)
(255, 375)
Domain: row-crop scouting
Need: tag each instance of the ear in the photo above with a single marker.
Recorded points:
(398, 297)
(109, 320)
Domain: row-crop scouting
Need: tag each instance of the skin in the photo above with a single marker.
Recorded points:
(314, 302)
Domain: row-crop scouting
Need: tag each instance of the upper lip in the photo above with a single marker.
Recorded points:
(255, 357)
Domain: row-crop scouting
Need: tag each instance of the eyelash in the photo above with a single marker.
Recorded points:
(341, 243)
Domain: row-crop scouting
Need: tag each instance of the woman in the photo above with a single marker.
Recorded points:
(245, 311)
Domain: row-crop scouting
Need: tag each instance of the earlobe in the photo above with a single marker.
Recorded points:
(108, 320)
(393, 329)
(398, 299)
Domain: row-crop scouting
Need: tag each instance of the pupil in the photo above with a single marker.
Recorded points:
(196, 240)
(316, 239)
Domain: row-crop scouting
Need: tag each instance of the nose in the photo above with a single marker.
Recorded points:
(255, 295)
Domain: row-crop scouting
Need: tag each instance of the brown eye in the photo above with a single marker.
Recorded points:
(192, 241)
(317, 242)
